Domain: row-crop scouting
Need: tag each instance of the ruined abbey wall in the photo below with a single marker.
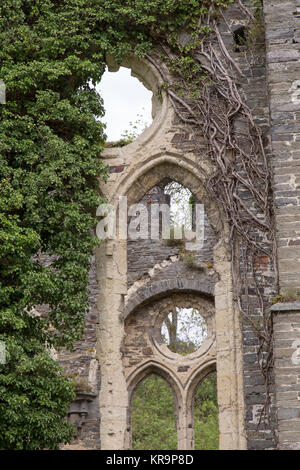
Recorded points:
(132, 283)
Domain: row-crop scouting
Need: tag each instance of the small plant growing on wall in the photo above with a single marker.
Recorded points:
(172, 241)
(80, 382)
(189, 260)
(288, 295)
(128, 136)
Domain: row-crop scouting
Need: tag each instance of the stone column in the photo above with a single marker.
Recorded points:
(113, 398)
(184, 432)
(282, 24)
(286, 318)
(229, 357)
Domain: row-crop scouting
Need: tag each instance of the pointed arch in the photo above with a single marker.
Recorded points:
(139, 179)
(195, 381)
(154, 367)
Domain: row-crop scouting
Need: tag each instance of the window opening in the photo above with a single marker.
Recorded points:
(128, 106)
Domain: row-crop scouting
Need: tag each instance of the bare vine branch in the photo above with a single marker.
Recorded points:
(239, 166)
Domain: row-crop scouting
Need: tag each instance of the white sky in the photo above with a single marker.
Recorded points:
(180, 210)
(191, 327)
(125, 97)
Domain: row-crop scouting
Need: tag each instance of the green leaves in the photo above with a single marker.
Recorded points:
(50, 149)
(34, 397)
(206, 423)
(50, 146)
(153, 416)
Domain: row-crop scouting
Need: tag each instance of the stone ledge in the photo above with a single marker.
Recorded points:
(285, 307)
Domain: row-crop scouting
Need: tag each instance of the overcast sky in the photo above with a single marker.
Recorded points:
(125, 97)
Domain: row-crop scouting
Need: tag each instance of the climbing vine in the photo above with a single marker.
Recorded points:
(205, 94)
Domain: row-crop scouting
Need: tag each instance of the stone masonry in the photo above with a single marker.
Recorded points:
(287, 373)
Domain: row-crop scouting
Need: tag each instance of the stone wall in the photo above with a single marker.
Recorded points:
(254, 88)
(144, 256)
(82, 366)
(286, 317)
(282, 22)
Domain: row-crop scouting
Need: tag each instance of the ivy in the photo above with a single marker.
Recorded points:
(34, 395)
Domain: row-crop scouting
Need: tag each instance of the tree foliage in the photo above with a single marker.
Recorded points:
(50, 147)
(153, 416)
(180, 205)
(184, 330)
(206, 419)
(34, 396)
